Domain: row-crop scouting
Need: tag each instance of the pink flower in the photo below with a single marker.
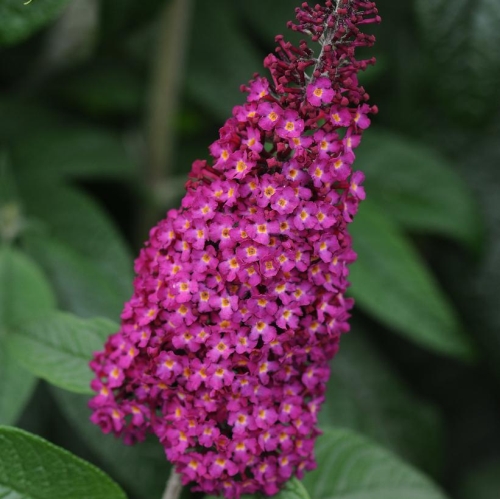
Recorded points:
(258, 89)
(253, 140)
(270, 115)
(340, 116)
(320, 92)
(238, 306)
(290, 125)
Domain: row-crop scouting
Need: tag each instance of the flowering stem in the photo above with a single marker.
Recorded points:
(174, 486)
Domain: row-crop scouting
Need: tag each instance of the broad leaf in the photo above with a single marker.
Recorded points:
(418, 188)
(215, 81)
(26, 117)
(16, 387)
(32, 468)
(293, 489)
(351, 467)
(20, 19)
(59, 348)
(392, 283)
(464, 40)
(366, 395)
(145, 460)
(72, 152)
(75, 220)
(80, 249)
(81, 287)
(475, 285)
(24, 295)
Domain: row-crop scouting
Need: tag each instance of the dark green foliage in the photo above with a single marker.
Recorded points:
(20, 20)
(419, 373)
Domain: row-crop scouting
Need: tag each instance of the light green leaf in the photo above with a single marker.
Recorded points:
(19, 21)
(24, 295)
(32, 468)
(392, 283)
(59, 348)
(146, 460)
(464, 40)
(351, 467)
(293, 489)
(366, 395)
(72, 152)
(215, 81)
(418, 188)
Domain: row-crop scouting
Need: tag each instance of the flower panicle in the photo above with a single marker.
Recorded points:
(238, 306)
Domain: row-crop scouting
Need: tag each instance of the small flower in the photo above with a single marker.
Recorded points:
(258, 89)
(320, 92)
(290, 125)
(270, 115)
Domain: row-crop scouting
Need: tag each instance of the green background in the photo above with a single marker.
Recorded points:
(104, 104)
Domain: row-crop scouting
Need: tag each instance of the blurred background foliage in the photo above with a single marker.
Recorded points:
(104, 105)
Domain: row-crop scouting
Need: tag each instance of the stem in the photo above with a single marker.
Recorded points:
(163, 105)
(327, 36)
(174, 486)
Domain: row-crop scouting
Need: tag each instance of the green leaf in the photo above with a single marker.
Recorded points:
(145, 460)
(24, 295)
(19, 21)
(59, 348)
(464, 41)
(481, 483)
(392, 283)
(418, 188)
(77, 221)
(72, 151)
(351, 467)
(366, 395)
(26, 117)
(32, 468)
(476, 285)
(81, 287)
(293, 489)
(16, 387)
(215, 81)
(81, 250)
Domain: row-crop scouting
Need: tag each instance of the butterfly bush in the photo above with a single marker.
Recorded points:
(238, 304)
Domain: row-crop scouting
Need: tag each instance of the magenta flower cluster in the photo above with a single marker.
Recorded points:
(239, 300)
